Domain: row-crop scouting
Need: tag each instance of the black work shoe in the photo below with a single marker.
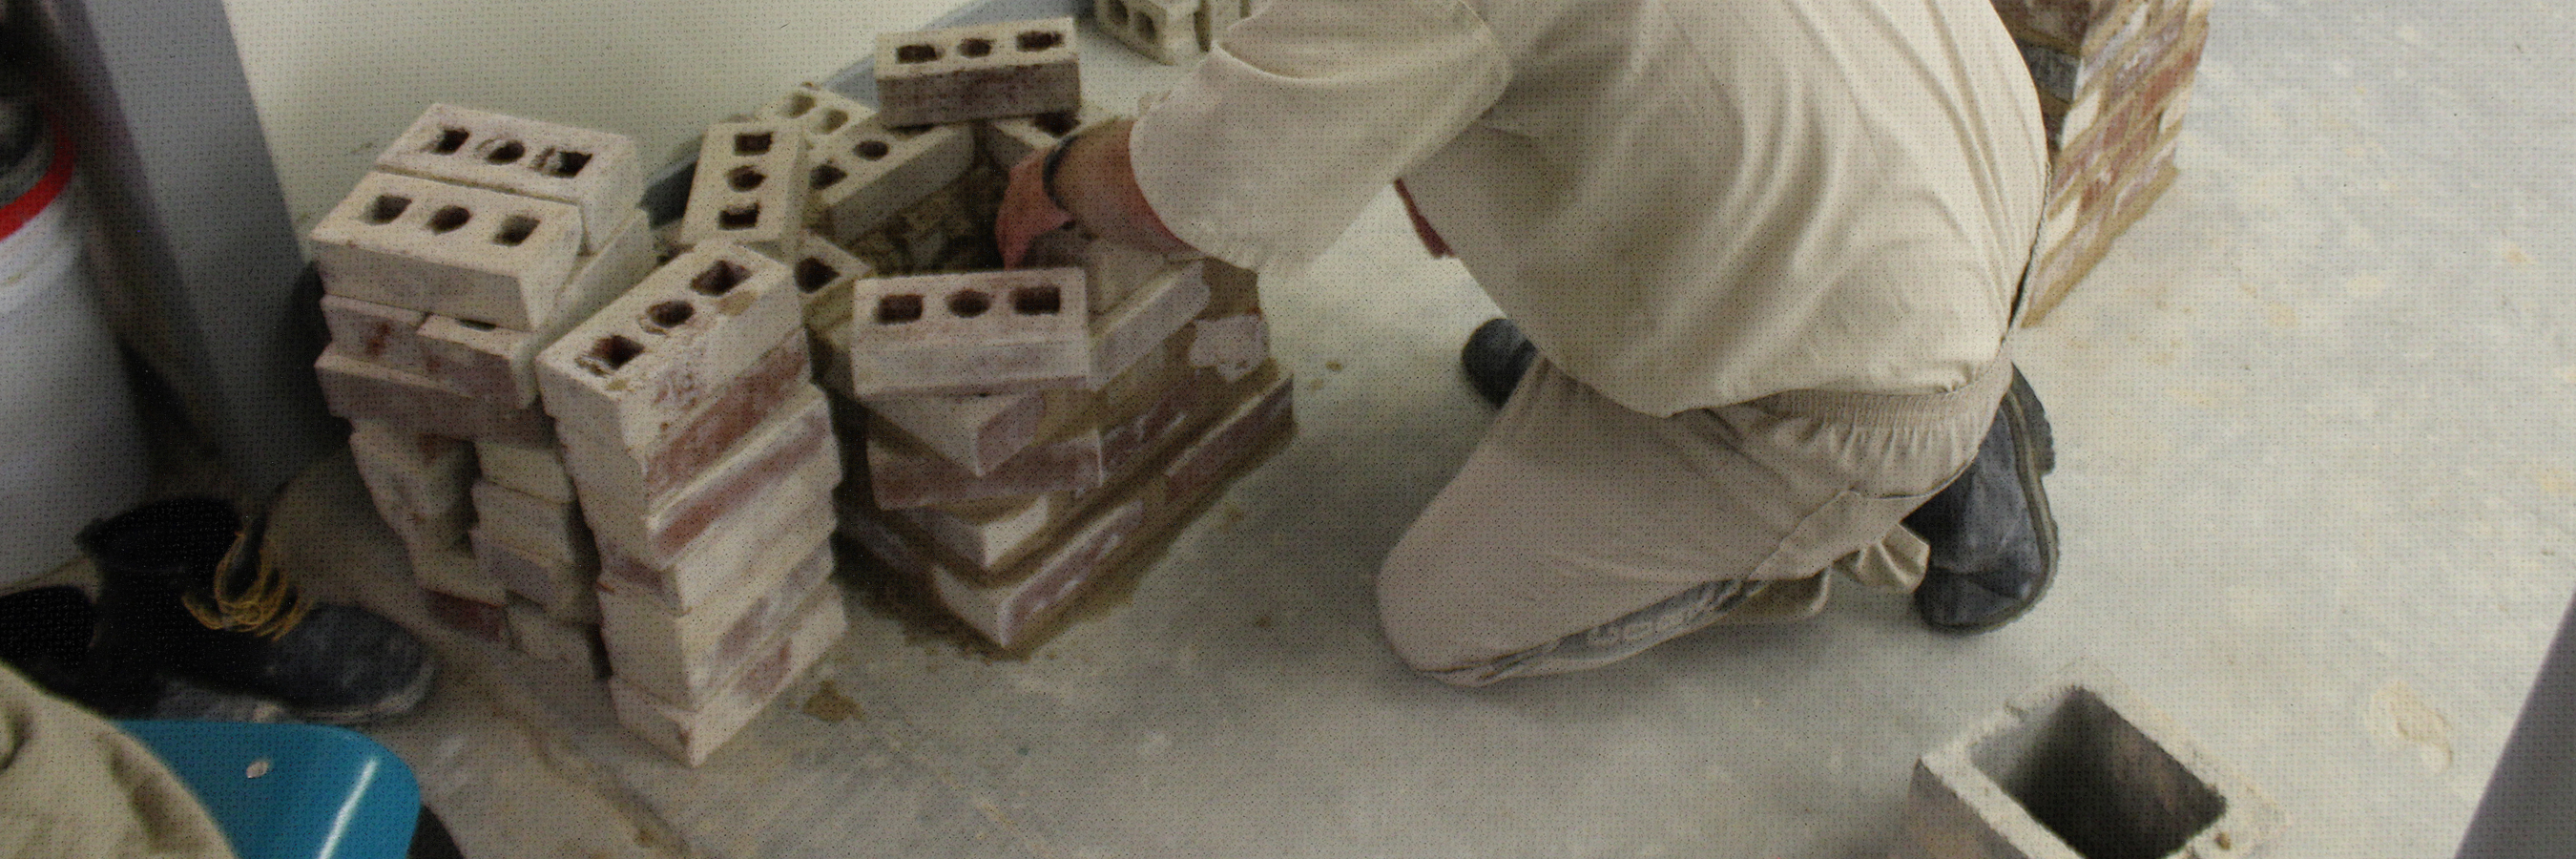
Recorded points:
(1994, 542)
(187, 590)
(1495, 357)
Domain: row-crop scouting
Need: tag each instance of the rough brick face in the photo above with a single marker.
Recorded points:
(655, 357)
(984, 332)
(1013, 68)
(596, 172)
(448, 249)
(750, 188)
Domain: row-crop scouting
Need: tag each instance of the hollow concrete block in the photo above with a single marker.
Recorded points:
(654, 357)
(597, 172)
(1165, 31)
(980, 332)
(984, 71)
(871, 171)
(750, 188)
(819, 112)
(447, 249)
(693, 733)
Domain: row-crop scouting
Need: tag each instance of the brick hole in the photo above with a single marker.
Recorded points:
(386, 208)
(752, 144)
(450, 141)
(1115, 11)
(563, 162)
(871, 149)
(610, 354)
(668, 315)
(916, 54)
(505, 152)
(968, 304)
(515, 230)
(826, 176)
(1057, 124)
(1039, 40)
(720, 278)
(798, 104)
(1037, 301)
(898, 309)
(814, 274)
(448, 219)
(834, 119)
(976, 47)
(477, 324)
(2098, 782)
(745, 178)
(1146, 30)
(742, 217)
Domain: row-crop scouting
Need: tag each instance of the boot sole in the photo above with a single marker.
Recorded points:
(2032, 458)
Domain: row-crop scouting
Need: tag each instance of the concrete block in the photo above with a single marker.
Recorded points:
(1165, 31)
(562, 588)
(537, 633)
(1150, 314)
(976, 431)
(819, 112)
(419, 483)
(684, 658)
(653, 358)
(536, 469)
(484, 621)
(1233, 346)
(2079, 768)
(598, 173)
(365, 392)
(1008, 140)
(990, 534)
(376, 333)
(474, 359)
(448, 249)
(548, 529)
(750, 188)
(691, 734)
(824, 274)
(794, 452)
(982, 332)
(902, 474)
(1214, 457)
(783, 534)
(1012, 615)
(872, 171)
(984, 71)
(614, 468)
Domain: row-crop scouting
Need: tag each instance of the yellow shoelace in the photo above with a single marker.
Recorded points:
(267, 605)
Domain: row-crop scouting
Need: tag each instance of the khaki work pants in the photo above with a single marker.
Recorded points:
(1579, 533)
(71, 784)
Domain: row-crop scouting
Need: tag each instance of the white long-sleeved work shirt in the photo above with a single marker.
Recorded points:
(1685, 203)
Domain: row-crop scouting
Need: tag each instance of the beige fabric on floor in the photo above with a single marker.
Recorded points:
(72, 785)
(1574, 512)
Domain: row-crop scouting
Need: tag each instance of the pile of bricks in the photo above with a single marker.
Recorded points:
(477, 240)
(2113, 77)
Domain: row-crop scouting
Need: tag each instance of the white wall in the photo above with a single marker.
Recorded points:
(334, 81)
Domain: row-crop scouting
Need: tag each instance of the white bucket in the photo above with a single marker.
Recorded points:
(71, 447)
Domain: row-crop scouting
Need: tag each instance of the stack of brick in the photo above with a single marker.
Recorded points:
(2114, 77)
(1026, 433)
(478, 239)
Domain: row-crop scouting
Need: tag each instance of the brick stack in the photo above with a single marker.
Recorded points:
(2114, 77)
(1027, 433)
(478, 239)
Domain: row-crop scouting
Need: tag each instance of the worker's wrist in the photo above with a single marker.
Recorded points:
(1048, 176)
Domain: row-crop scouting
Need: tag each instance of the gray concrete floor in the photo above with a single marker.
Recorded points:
(2313, 484)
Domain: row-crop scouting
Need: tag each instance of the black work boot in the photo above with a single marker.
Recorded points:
(1495, 357)
(187, 591)
(1994, 542)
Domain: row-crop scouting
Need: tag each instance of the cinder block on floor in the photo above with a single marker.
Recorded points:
(420, 483)
(872, 171)
(691, 734)
(451, 570)
(2080, 769)
(984, 71)
(982, 332)
(749, 188)
(597, 172)
(653, 358)
(538, 633)
(682, 658)
(485, 621)
(448, 249)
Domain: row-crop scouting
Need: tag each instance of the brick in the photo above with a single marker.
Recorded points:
(1111, 270)
(451, 570)
(691, 734)
(537, 633)
(902, 474)
(982, 332)
(364, 392)
(785, 533)
(562, 588)
(1198, 469)
(976, 431)
(536, 469)
(683, 658)
(548, 529)
(824, 274)
(418, 482)
(1011, 615)
(653, 358)
(472, 618)
(1011, 68)
(1233, 346)
(817, 111)
(2080, 767)
(794, 452)
(1008, 140)
(597, 172)
(655, 467)
(832, 360)
(870, 172)
(378, 334)
(1165, 31)
(1149, 316)
(497, 364)
(749, 188)
(448, 249)
(994, 533)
